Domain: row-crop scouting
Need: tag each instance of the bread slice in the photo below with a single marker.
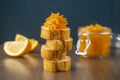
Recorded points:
(49, 54)
(68, 44)
(54, 44)
(64, 45)
(65, 34)
(46, 33)
(62, 34)
(57, 65)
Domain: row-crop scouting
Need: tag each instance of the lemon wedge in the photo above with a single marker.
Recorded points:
(15, 49)
(34, 43)
(20, 37)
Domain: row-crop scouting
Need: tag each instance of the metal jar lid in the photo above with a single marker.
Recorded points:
(115, 40)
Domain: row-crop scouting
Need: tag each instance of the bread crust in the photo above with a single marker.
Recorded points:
(65, 45)
(54, 44)
(68, 44)
(57, 65)
(47, 53)
(61, 34)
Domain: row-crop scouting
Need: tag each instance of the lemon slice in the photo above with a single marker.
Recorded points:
(34, 43)
(20, 37)
(15, 49)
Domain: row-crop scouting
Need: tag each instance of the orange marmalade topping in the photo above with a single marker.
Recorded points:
(99, 44)
(95, 28)
(55, 22)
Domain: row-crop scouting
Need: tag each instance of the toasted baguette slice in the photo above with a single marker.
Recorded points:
(46, 53)
(62, 34)
(64, 45)
(46, 33)
(68, 44)
(65, 34)
(57, 65)
(54, 44)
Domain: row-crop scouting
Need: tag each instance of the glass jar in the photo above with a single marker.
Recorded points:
(93, 44)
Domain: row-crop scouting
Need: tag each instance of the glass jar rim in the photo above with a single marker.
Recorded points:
(108, 31)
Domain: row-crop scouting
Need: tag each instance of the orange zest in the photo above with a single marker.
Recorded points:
(55, 22)
(95, 28)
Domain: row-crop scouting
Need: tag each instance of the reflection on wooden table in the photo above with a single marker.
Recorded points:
(30, 67)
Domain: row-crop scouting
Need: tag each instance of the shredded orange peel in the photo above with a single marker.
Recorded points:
(95, 28)
(56, 22)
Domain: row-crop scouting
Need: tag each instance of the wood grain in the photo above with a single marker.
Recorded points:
(30, 67)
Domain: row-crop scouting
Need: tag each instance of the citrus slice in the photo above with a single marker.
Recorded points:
(20, 37)
(34, 43)
(15, 49)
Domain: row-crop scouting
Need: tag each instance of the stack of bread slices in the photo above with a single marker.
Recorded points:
(54, 51)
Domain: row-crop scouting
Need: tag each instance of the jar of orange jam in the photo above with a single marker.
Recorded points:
(94, 41)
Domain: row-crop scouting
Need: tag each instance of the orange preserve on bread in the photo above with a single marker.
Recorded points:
(94, 41)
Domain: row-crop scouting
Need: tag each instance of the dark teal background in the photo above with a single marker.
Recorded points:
(27, 16)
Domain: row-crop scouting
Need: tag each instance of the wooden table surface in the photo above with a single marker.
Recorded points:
(30, 67)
